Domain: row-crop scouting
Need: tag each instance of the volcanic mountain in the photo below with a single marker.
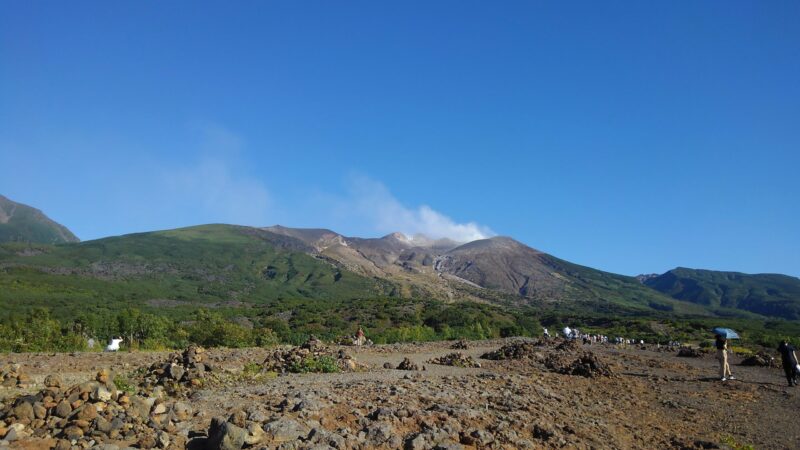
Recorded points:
(482, 269)
(216, 265)
(22, 223)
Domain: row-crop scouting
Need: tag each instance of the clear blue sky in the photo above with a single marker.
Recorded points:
(628, 136)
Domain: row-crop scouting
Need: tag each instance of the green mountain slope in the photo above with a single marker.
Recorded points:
(212, 265)
(765, 294)
(297, 284)
(240, 268)
(22, 223)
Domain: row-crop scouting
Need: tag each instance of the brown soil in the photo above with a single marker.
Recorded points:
(652, 400)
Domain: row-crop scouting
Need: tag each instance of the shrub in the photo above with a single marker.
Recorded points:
(265, 337)
(251, 369)
(124, 384)
(311, 364)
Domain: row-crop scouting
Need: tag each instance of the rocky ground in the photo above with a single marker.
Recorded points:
(525, 394)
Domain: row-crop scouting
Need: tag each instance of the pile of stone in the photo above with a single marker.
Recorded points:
(456, 359)
(243, 430)
(407, 364)
(761, 359)
(689, 352)
(92, 413)
(569, 345)
(180, 373)
(11, 376)
(586, 364)
(515, 350)
(234, 433)
(283, 360)
(460, 344)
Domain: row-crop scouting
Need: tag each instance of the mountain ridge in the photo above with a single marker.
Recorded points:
(22, 223)
(766, 293)
(496, 269)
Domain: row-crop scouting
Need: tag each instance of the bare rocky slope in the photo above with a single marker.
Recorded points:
(500, 265)
(528, 394)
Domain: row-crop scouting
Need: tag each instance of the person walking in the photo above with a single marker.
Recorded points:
(360, 337)
(789, 359)
(722, 355)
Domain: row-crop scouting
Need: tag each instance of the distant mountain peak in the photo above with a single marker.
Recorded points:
(397, 236)
(642, 278)
(497, 243)
(23, 223)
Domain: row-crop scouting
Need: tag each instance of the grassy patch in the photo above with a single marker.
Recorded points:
(321, 364)
(124, 384)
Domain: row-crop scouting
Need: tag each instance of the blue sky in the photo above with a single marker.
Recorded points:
(628, 136)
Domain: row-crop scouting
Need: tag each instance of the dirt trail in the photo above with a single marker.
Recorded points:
(652, 400)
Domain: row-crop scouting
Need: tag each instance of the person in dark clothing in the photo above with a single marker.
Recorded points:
(789, 359)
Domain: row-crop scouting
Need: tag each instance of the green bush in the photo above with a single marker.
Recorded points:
(311, 364)
(124, 384)
(251, 369)
(265, 337)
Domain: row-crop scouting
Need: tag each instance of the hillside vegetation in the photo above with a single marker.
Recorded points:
(237, 286)
(208, 266)
(765, 294)
(22, 223)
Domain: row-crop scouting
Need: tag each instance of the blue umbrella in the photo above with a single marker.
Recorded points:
(727, 333)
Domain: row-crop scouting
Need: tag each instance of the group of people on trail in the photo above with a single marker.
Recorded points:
(587, 338)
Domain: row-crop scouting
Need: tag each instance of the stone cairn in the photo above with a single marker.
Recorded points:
(584, 363)
(460, 344)
(407, 364)
(284, 360)
(180, 373)
(456, 359)
(93, 413)
(689, 352)
(761, 359)
(514, 350)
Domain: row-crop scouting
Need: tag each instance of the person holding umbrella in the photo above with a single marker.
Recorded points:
(721, 343)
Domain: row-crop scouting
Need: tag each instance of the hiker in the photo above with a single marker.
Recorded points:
(722, 355)
(546, 333)
(789, 359)
(360, 338)
(113, 346)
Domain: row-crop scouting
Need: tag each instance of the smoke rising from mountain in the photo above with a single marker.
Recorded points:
(371, 200)
(214, 179)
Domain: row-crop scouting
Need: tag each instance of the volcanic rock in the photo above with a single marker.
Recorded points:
(456, 359)
(407, 364)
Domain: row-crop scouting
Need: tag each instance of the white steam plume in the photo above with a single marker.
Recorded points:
(371, 200)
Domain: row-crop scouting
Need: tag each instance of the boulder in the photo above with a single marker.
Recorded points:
(23, 411)
(285, 429)
(223, 435)
(181, 411)
(52, 381)
(63, 409)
